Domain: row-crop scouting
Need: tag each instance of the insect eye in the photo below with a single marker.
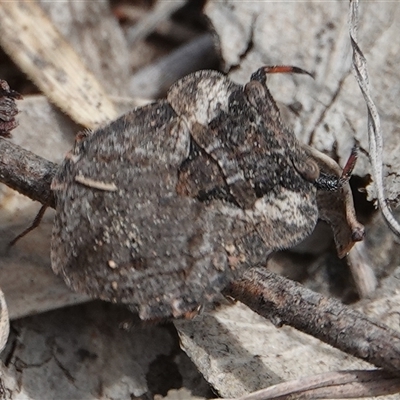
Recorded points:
(308, 169)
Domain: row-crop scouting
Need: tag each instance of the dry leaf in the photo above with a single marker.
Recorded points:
(35, 44)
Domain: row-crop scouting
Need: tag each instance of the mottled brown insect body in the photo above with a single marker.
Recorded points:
(164, 207)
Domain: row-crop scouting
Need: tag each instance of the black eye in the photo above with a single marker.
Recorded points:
(327, 182)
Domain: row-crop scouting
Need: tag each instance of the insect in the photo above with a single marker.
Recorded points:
(165, 206)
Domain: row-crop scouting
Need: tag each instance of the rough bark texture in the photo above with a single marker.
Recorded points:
(284, 302)
(26, 172)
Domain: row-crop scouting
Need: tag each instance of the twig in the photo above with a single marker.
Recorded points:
(288, 303)
(374, 126)
(332, 385)
(26, 172)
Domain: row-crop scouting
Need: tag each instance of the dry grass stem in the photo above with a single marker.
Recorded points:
(374, 126)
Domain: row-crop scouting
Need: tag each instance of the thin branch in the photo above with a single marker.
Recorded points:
(374, 126)
(284, 302)
(26, 172)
